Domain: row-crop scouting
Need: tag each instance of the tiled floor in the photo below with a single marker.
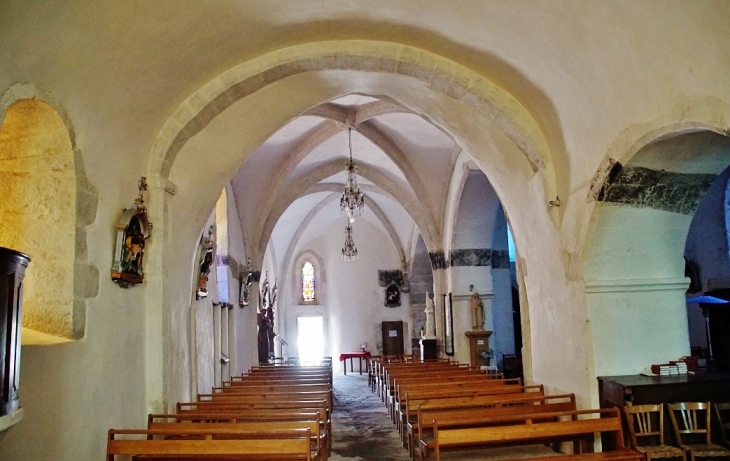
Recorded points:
(362, 429)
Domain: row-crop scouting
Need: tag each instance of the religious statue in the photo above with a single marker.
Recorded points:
(430, 331)
(477, 312)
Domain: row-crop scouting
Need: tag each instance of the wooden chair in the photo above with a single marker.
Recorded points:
(691, 424)
(646, 432)
(722, 411)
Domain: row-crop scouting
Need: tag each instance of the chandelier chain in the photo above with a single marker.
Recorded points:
(352, 202)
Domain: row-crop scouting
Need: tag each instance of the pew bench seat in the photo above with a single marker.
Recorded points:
(210, 444)
(579, 427)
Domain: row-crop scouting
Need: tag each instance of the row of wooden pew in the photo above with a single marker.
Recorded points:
(445, 406)
(272, 412)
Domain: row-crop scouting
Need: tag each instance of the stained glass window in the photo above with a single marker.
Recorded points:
(308, 282)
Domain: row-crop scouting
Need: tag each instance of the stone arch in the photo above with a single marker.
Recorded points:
(48, 203)
(633, 260)
(443, 75)
(491, 125)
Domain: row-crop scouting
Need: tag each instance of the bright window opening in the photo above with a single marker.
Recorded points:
(308, 282)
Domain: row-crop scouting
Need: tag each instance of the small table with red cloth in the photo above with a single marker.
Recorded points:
(350, 355)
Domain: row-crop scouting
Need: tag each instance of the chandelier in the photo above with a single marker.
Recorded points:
(352, 201)
(349, 251)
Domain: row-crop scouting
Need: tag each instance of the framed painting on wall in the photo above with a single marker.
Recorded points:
(448, 326)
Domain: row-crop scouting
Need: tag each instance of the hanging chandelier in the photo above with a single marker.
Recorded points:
(349, 251)
(352, 201)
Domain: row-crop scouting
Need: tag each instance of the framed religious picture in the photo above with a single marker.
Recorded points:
(448, 326)
(392, 295)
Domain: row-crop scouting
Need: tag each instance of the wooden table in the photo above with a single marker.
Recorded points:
(618, 391)
(351, 355)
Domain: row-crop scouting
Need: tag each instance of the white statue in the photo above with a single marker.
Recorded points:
(477, 312)
(430, 330)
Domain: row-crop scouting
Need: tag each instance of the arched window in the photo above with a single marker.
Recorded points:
(308, 282)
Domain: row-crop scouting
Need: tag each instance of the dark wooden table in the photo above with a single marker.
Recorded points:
(617, 391)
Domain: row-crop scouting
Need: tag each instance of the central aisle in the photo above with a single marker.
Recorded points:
(361, 425)
(362, 430)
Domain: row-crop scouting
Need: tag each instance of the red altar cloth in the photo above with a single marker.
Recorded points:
(358, 355)
(349, 355)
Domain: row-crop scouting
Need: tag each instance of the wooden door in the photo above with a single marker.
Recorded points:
(392, 338)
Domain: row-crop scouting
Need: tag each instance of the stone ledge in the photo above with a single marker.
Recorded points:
(8, 421)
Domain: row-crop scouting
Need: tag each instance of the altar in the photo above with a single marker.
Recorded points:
(351, 355)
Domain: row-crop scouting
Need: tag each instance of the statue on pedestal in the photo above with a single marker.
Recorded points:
(430, 330)
(477, 312)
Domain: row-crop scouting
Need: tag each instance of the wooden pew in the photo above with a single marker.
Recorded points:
(257, 396)
(237, 406)
(385, 371)
(263, 380)
(185, 427)
(242, 416)
(417, 369)
(436, 377)
(453, 382)
(211, 443)
(447, 389)
(539, 429)
(443, 377)
(430, 401)
(461, 416)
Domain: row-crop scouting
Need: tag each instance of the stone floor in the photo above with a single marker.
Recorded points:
(362, 429)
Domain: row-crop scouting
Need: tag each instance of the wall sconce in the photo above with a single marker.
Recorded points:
(554, 203)
(471, 288)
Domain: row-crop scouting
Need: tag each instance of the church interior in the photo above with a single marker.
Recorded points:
(554, 173)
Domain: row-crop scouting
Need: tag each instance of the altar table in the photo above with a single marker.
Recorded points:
(350, 355)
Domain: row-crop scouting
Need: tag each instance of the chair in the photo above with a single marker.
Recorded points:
(691, 424)
(722, 411)
(646, 431)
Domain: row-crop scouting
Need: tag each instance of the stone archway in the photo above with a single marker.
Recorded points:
(47, 204)
(495, 128)
(634, 269)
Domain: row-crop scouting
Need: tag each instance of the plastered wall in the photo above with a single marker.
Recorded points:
(352, 302)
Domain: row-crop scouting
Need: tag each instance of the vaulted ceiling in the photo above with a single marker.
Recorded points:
(289, 188)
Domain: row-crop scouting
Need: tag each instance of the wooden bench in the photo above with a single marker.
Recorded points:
(243, 416)
(419, 370)
(544, 428)
(469, 399)
(318, 436)
(401, 385)
(454, 389)
(464, 416)
(209, 444)
(253, 396)
(386, 373)
(237, 407)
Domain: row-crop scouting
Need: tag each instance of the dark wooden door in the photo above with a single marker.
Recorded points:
(392, 338)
